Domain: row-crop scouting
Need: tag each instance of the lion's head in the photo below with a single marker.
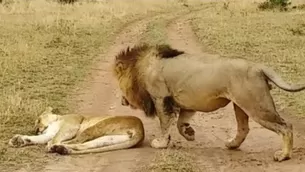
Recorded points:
(126, 71)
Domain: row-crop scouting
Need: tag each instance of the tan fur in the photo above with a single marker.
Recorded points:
(184, 83)
(79, 134)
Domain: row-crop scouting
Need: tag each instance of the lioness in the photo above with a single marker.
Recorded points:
(79, 134)
(163, 81)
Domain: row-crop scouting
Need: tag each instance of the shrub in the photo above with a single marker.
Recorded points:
(272, 4)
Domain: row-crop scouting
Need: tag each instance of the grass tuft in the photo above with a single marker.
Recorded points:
(67, 1)
(274, 4)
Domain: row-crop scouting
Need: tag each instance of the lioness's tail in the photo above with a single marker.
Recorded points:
(278, 81)
(135, 140)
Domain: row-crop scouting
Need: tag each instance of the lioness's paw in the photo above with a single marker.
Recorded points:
(160, 143)
(280, 156)
(18, 141)
(49, 147)
(60, 149)
(187, 132)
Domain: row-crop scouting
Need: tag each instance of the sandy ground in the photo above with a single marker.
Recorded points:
(212, 129)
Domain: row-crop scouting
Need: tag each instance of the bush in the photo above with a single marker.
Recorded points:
(272, 4)
(66, 1)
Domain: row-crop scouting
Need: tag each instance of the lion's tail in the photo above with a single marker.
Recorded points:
(134, 141)
(278, 81)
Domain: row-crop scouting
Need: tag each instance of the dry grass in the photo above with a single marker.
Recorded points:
(46, 49)
(170, 160)
(273, 38)
(156, 31)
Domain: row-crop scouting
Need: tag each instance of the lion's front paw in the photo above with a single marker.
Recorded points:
(187, 132)
(160, 143)
(281, 156)
(18, 141)
(232, 144)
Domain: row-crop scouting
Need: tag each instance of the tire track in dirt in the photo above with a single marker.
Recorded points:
(212, 129)
(102, 96)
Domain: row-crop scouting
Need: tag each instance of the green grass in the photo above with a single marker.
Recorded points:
(46, 50)
(272, 38)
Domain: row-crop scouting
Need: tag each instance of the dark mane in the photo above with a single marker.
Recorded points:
(128, 59)
(166, 51)
(132, 53)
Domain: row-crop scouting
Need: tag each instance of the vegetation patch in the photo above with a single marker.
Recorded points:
(274, 4)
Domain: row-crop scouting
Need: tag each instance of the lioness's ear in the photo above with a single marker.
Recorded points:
(48, 109)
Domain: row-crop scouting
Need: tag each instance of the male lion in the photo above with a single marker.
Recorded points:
(163, 81)
(79, 134)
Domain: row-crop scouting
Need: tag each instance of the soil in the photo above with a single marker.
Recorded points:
(102, 96)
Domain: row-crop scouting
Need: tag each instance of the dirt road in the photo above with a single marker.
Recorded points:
(212, 129)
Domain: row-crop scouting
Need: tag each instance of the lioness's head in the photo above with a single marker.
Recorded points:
(44, 120)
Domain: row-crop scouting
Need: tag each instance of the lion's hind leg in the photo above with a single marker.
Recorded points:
(242, 121)
(262, 110)
(101, 144)
(284, 129)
